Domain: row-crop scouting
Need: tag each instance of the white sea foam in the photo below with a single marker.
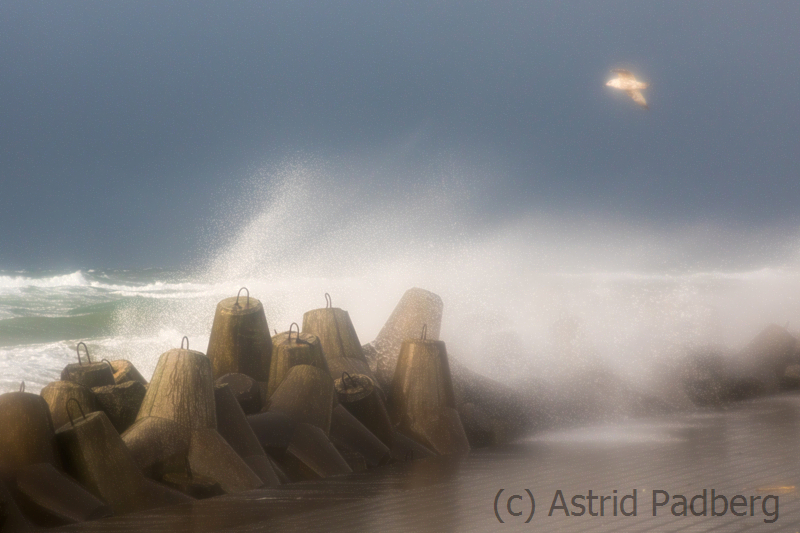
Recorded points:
(13, 283)
(506, 287)
(629, 296)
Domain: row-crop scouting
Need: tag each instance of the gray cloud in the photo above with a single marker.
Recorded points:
(121, 124)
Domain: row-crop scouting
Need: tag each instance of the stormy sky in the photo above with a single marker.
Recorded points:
(123, 125)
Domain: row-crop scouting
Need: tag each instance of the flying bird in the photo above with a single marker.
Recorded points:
(628, 83)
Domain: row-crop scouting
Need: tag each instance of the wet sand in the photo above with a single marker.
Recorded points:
(750, 449)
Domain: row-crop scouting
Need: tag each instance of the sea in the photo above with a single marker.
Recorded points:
(531, 295)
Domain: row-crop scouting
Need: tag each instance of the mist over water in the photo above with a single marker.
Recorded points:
(535, 294)
(530, 295)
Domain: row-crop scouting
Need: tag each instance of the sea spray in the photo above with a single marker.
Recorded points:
(534, 294)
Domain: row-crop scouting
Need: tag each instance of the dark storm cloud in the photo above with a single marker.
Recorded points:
(120, 123)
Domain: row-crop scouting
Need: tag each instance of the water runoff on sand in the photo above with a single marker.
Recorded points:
(531, 296)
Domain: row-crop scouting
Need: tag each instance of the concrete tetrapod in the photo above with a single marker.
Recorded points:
(11, 518)
(182, 390)
(339, 341)
(423, 403)
(407, 449)
(354, 460)
(53, 499)
(305, 395)
(158, 445)
(121, 403)
(232, 425)
(193, 485)
(358, 393)
(274, 431)
(417, 308)
(311, 455)
(240, 341)
(512, 412)
(124, 371)
(211, 456)
(57, 393)
(291, 350)
(95, 455)
(88, 374)
(346, 430)
(27, 436)
(246, 390)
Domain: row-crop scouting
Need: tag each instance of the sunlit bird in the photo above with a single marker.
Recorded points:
(628, 83)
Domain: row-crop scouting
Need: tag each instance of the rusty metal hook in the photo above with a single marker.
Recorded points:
(240, 292)
(69, 413)
(297, 338)
(185, 338)
(78, 351)
(328, 301)
(349, 377)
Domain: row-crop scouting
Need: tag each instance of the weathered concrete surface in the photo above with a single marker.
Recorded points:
(511, 411)
(305, 395)
(11, 518)
(311, 455)
(273, 430)
(58, 393)
(193, 485)
(339, 341)
(89, 374)
(121, 402)
(182, 390)
(359, 395)
(156, 444)
(51, 498)
(124, 371)
(240, 341)
(211, 456)
(423, 402)
(26, 432)
(292, 350)
(232, 425)
(95, 455)
(246, 390)
(417, 308)
(263, 467)
(407, 449)
(347, 430)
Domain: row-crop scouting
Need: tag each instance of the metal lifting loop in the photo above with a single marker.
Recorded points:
(349, 377)
(78, 350)
(109, 364)
(22, 386)
(328, 301)
(69, 413)
(297, 338)
(185, 338)
(240, 292)
(424, 335)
